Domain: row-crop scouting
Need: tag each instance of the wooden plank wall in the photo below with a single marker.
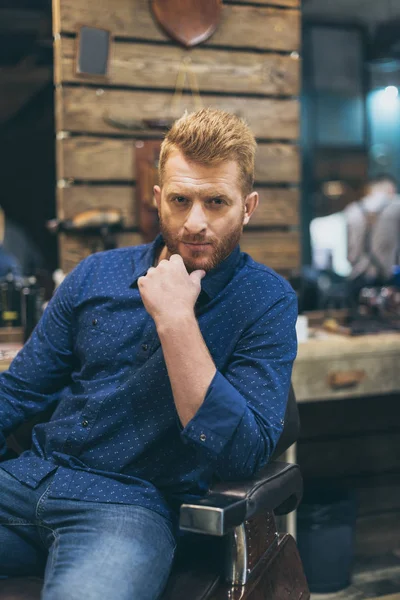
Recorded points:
(250, 66)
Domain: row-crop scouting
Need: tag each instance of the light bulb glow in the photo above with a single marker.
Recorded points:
(391, 91)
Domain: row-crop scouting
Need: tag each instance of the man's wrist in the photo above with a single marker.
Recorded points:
(179, 319)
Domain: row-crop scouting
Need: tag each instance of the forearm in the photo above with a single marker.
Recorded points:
(189, 363)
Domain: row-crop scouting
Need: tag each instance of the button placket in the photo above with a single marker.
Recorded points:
(149, 339)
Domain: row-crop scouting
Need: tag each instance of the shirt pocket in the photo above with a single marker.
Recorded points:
(97, 323)
(99, 339)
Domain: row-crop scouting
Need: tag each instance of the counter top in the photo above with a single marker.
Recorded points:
(330, 345)
(332, 366)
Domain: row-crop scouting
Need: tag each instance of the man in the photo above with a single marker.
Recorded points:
(170, 365)
(373, 230)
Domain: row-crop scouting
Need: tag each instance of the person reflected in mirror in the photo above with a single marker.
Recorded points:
(373, 234)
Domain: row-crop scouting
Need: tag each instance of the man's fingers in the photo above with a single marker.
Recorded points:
(176, 258)
(197, 276)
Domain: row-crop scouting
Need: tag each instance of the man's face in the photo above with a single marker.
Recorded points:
(202, 210)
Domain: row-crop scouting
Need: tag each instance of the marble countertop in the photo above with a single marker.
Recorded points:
(331, 366)
(329, 345)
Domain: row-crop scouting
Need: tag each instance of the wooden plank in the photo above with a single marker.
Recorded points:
(277, 163)
(87, 110)
(278, 250)
(103, 159)
(289, 3)
(241, 26)
(149, 66)
(75, 199)
(278, 206)
(98, 159)
(75, 248)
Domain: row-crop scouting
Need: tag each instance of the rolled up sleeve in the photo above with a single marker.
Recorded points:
(241, 419)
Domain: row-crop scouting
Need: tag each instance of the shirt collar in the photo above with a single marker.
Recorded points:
(213, 282)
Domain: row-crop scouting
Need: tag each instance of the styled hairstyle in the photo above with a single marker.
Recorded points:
(209, 137)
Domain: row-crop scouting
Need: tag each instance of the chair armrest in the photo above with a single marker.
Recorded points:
(277, 488)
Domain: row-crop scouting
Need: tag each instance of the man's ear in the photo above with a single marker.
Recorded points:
(250, 204)
(157, 196)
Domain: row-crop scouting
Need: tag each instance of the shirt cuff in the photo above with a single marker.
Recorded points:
(217, 419)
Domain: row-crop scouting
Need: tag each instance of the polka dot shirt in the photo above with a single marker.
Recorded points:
(115, 435)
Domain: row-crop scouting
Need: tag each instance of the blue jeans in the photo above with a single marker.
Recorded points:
(86, 550)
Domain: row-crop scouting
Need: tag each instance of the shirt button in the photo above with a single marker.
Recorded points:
(85, 423)
(94, 322)
(144, 347)
(203, 437)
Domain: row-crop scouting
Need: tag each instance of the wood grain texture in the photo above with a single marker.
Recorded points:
(277, 163)
(288, 3)
(75, 248)
(103, 159)
(278, 250)
(277, 207)
(149, 66)
(75, 199)
(85, 110)
(276, 29)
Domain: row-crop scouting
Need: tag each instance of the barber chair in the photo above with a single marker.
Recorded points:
(231, 548)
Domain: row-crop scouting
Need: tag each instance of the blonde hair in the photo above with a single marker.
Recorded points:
(209, 137)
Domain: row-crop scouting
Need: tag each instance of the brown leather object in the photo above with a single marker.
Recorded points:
(146, 156)
(339, 380)
(88, 219)
(189, 22)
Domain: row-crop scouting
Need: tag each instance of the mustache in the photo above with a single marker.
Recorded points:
(196, 239)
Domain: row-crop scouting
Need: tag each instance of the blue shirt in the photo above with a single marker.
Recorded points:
(115, 435)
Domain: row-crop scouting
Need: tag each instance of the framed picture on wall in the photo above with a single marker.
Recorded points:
(93, 52)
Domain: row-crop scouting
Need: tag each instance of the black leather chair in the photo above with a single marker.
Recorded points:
(232, 549)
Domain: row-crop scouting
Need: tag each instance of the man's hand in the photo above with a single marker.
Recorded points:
(168, 290)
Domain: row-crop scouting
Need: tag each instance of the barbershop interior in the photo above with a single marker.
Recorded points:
(88, 91)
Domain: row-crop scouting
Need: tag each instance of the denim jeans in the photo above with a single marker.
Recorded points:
(86, 550)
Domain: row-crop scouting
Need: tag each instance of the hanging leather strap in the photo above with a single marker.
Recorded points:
(186, 71)
(371, 219)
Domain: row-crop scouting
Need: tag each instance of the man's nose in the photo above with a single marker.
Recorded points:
(196, 220)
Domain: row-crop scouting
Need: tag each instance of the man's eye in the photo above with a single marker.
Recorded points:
(180, 199)
(217, 201)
